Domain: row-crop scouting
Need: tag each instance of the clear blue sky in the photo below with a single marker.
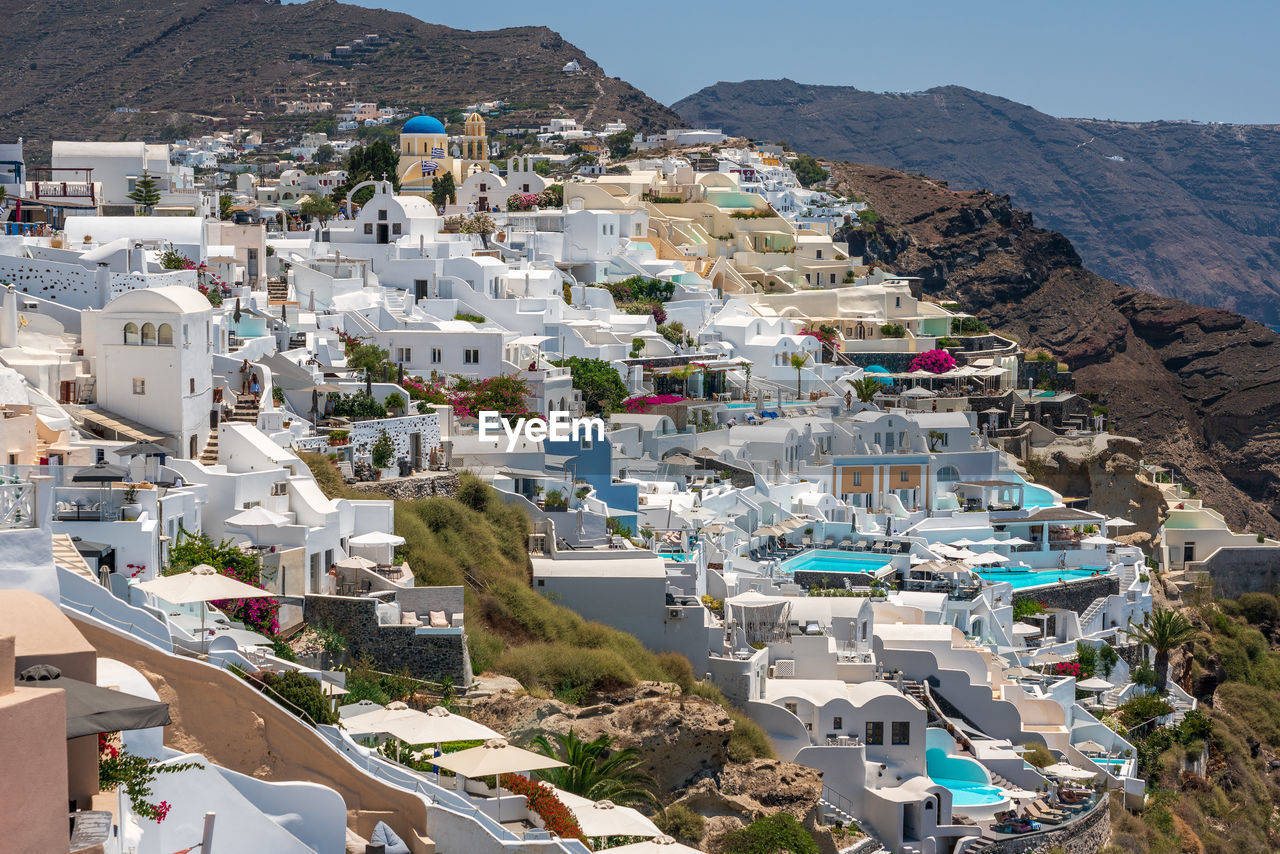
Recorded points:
(1122, 59)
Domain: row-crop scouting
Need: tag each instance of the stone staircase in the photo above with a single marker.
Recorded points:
(277, 291)
(210, 455)
(246, 410)
(1019, 413)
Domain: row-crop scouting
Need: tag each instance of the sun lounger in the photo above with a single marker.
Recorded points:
(1043, 815)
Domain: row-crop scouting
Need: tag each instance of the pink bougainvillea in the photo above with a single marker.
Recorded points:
(934, 361)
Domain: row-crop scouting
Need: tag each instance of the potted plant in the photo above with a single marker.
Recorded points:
(537, 494)
(582, 494)
(395, 403)
(382, 451)
(338, 438)
(556, 501)
(131, 509)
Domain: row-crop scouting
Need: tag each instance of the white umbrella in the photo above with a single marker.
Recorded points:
(255, 518)
(1025, 630)
(1117, 522)
(991, 541)
(495, 756)
(918, 391)
(1016, 541)
(1049, 658)
(413, 727)
(1095, 540)
(987, 557)
(377, 538)
(201, 583)
(964, 542)
(605, 818)
(1069, 772)
(1020, 794)
(1093, 683)
(1090, 747)
(351, 710)
(356, 562)
(657, 845)
(1020, 672)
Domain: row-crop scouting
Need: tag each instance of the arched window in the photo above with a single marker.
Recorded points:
(131, 333)
(164, 335)
(948, 474)
(148, 333)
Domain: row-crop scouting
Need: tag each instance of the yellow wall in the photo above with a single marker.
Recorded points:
(846, 479)
(896, 481)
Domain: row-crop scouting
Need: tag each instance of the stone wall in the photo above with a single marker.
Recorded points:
(365, 433)
(1086, 836)
(1244, 570)
(1074, 595)
(740, 477)
(391, 647)
(427, 485)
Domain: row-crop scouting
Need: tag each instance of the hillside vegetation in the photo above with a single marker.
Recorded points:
(1234, 806)
(478, 541)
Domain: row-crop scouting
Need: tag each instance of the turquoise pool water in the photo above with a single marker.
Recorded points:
(1034, 578)
(678, 557)
(1100, 761)
(966, 793)
(1035, 496)
(828, 560)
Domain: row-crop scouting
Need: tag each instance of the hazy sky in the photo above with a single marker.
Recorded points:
(1122, 59)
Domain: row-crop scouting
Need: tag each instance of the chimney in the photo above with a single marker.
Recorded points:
(9, 318)
(104, 284)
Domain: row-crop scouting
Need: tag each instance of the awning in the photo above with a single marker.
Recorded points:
(92, 709)
(118, 426)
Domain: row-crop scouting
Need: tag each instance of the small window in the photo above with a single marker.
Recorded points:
(139, 385)
(833, 278)
(542, 582)
(819, 254)
(484, 188)
(192, 382)
(382, 216)
(902, 732)
(148, 333)
(837, 722)
(395, 228)
(875, 732)
(902, 477)
(792, 708)
(131, 333)
(857, 478)
(471, 357)
(897, 302)
(435, 355)
(368, 228)
(164, 335)
(404, 354)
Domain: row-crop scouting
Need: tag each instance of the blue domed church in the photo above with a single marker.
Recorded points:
(425, 153)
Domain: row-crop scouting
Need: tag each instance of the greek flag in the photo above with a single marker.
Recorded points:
(437, 152)
(429, 167)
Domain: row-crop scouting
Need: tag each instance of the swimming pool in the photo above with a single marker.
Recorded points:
(678, 557)
(828, 560)
(967, 793)
(1034, 577)
(1036, 496)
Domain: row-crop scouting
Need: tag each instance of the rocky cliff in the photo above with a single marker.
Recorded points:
(1178, 208)
(1199, 386)
(188, 67)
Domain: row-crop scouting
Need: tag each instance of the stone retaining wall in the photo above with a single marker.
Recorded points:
(1074, 595)
(391, 647)
(1086, 836)
(408, 488)
(1240, 570)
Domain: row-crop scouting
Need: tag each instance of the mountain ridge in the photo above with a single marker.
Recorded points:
(1183, 209)
(203, 65)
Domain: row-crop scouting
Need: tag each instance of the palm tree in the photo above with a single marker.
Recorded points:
(595, 770)
(683, 373)
(798, 361)
(1164, 630)
(865, 388)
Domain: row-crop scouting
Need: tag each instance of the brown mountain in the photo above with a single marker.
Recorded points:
(197, 65)
(1200, 386)
(1176, 208)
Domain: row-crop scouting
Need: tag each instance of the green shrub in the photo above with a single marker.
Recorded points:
(298, 693)
(974, 326)
(1143, 708)
(893, 330)
(1026, 608)
(682, 823)
(1037, 755)
(467, 316)
(1258, 608)
(770, 835)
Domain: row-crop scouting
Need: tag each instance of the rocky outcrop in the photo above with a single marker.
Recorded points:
(681, 739)
(1200, 387)
(1104, 469)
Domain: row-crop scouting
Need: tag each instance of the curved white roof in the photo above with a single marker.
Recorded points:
(171, 298)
